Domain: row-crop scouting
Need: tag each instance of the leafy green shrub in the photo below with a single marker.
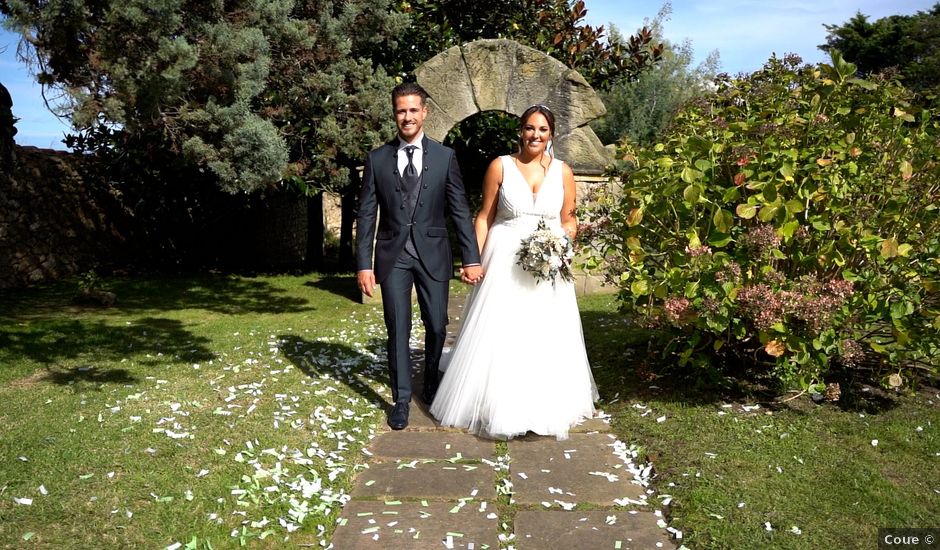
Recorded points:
(789, 221)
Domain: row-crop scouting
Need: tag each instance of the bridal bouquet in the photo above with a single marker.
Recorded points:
(546, 255)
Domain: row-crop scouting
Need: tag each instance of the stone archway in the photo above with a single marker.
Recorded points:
(503, 75)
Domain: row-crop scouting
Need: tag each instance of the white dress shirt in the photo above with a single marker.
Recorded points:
(417, 157)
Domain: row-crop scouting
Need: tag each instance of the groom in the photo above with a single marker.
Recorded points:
(412, 182)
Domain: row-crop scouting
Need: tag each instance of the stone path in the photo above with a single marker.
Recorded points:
(429, 487)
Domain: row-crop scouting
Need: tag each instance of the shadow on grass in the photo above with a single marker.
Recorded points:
(628, 363)
(338, 361)
(340, 285)
(631, 364)
(220, 293)
(227, 294)
(90, 376)
(56, 340)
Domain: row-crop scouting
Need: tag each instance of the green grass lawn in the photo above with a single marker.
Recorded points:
(222, 410)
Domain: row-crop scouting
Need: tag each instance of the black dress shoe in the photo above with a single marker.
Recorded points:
(398, 416)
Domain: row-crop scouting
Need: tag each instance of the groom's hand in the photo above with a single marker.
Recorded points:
(471, 274)
(366, 279)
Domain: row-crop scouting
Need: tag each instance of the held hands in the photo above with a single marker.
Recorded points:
(366, 280)
(471, 274)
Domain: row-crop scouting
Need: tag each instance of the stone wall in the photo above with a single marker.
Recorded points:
(52, 224)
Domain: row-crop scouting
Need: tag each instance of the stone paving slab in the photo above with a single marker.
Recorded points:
(436, 445)
(414, 526)
(550, 530)
(591, 425)
(440, 480)
(420, 418)
(540, 463)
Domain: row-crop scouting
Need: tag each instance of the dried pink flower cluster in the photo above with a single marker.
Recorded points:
(760, 239)
(852, 353)
(677, 310)
(588, 230)
(773, 277)
(811, 302)
(730, 273)
(696, 251)
(816, 303)
(764, 306)
(840, 288)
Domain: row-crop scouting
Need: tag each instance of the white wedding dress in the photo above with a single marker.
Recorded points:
(518, 363)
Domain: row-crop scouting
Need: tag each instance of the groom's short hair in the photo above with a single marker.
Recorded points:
(409, 88)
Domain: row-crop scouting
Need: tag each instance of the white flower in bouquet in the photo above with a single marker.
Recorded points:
(546, 255)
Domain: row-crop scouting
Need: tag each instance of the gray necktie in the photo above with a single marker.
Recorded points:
(411, 173)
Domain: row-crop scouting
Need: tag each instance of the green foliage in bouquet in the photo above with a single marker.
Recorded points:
(787, 221)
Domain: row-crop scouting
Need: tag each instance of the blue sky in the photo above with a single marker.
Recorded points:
(745, 33)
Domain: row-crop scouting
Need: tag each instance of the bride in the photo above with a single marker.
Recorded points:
(518, 363)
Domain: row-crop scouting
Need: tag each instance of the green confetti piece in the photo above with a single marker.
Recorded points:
(454, 534)
(85, 476)
(392, 502)
(363, 514)
(417, 534)
(389, 513)
(455, 509)
(424, 503)
(369, 530)
(618, 545)
(29, 535)
(370, 483)
(399, 531)
(343, 521)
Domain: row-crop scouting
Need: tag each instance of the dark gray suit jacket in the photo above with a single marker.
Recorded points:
(441, 191)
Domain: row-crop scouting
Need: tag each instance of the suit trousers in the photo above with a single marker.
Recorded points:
(409, 273)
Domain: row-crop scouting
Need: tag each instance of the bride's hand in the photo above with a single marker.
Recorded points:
(471, 274)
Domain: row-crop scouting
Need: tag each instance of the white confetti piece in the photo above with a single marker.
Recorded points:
(874, 442)
(23, 501)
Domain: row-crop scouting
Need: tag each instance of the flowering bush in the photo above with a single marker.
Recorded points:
(546, 255)
(789, 220)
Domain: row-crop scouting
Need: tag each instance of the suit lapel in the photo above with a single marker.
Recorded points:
(425, 181)
(391, 162)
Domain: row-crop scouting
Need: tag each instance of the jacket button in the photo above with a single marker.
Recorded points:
(425, 186)
(402, 207)
(396, 190)
(421, 203)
